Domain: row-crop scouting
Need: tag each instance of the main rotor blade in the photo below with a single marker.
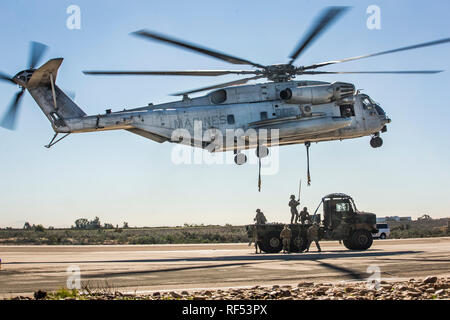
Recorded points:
(9, 120)
(226, 84)
(172, 73)
(327, 17)
(194, 47)
(373, 72)
(5, 77)
(416, 46)
(37, 50)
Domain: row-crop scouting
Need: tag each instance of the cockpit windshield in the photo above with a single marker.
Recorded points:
(369, 104)
(380, 110)
(366, 102)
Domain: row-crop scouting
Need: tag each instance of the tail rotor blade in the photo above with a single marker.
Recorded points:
(6, 77)
(9, 120)
(37, 50)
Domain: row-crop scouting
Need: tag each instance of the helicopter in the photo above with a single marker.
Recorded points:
(300, 111)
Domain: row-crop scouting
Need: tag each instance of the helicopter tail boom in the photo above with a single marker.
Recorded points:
(55, 104)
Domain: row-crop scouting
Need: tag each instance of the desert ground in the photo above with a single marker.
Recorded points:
(150, 268)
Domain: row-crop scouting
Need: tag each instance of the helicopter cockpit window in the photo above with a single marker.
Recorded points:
(380, 110)
(367, 104)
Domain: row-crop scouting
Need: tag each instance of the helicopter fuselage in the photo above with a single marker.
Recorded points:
(244, 112)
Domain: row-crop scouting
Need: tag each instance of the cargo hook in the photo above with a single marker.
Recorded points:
(307, 145)
(259, 171)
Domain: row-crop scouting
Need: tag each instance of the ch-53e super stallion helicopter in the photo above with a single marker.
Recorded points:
(303, 111)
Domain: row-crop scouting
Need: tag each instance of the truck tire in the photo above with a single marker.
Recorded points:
(271, 243)
(361, 239)
(348, 244)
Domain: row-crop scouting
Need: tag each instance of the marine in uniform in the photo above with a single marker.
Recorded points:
(285, 236)
(313, 235)
(293, 205)
(304, 215)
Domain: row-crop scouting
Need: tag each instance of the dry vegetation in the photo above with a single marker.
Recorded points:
(185, 234)
(162, 235)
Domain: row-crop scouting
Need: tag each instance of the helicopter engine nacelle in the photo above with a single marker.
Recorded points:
(318, 94)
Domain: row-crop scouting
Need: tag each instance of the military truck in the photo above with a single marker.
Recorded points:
(341, 221)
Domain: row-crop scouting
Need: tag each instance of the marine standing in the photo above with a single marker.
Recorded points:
(304, 215)
(293, 205)
(259, 220)
(285, 236)
(260, 217)
(313, 235)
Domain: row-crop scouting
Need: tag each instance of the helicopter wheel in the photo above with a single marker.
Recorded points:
(376, 142)
(262, 151)
(240, 158)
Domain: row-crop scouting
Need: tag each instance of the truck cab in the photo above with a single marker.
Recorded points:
(343, 221)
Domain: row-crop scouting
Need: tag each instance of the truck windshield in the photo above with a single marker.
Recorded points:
(343, 207)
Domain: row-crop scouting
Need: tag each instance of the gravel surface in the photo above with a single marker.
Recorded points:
(430, 287)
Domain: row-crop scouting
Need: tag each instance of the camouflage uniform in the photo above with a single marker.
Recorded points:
(259, 219)
(304, 215)
(256, 239)
(285, 236)
(294, 213)
(313, 235)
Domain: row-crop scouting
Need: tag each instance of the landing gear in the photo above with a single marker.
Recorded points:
(376, 141)
(240, 158)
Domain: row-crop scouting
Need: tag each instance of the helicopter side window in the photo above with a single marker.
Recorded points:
(230, 119)
(218, 96)
(263, 115)
(347, 110)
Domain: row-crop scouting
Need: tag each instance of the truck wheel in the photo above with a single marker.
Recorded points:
(362, 239)
(299, 244)
(348, 244)
(272, 243)
(383, 236)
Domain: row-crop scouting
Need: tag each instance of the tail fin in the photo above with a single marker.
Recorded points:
(55, 104)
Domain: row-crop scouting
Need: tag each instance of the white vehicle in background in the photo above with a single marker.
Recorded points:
(383, 231)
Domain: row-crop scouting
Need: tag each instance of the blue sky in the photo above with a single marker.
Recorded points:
(122, 177)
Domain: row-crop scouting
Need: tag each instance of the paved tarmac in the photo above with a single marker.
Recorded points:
(142, 268)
